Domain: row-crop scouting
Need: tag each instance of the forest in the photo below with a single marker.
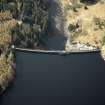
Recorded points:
(23, 23)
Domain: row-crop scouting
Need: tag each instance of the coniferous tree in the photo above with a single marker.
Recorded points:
(2, 4)
(34, 17)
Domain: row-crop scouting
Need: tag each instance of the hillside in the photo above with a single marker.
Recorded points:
(85, 23)
(6, 58)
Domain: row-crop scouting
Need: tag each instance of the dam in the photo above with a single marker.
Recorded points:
(54, 76)
(57, 78)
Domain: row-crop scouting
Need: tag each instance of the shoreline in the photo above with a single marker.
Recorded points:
(10, 81)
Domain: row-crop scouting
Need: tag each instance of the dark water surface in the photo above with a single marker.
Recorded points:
(53, 79)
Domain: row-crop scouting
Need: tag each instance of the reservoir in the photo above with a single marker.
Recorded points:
(57, 78)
